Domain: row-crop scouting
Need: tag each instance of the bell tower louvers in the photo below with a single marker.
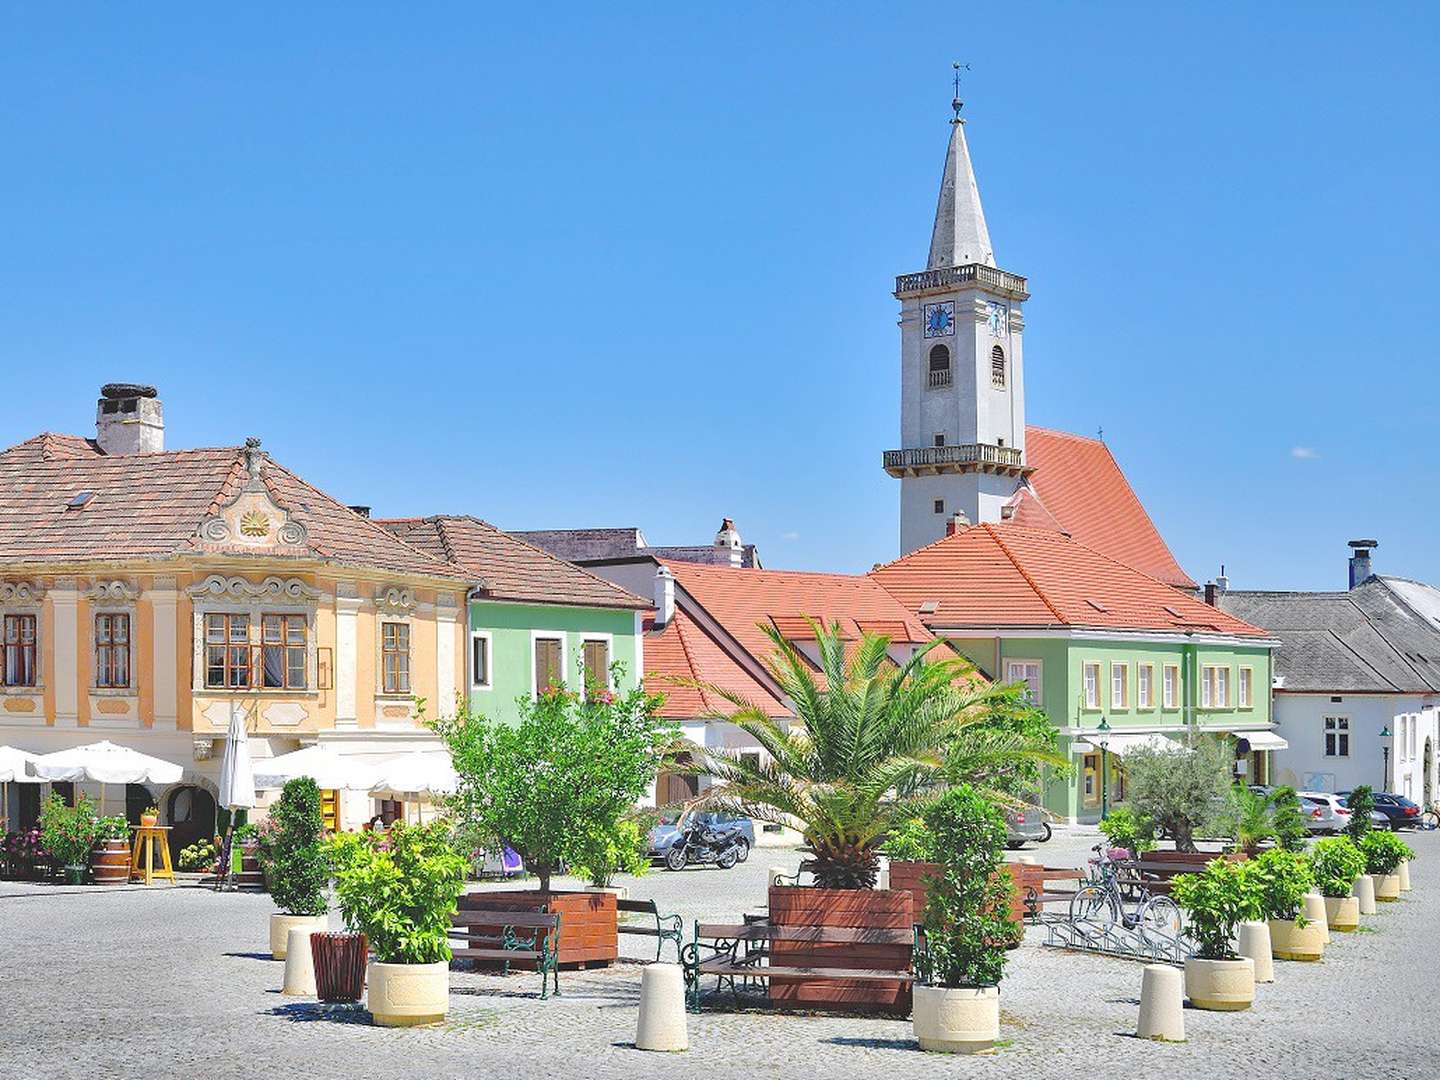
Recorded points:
(962, 387)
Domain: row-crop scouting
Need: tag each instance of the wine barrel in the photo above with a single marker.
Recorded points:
(110, 862)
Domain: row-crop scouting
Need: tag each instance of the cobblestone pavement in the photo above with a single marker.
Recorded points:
(176, 982)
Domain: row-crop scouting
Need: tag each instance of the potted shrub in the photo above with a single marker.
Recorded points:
(110, 857)
(23, 851)
(603, 853)
(299, 869)
(1291, 832)
(1128, 832)
(1217, 900)
(68, 834)
(957, 1008)
(1360, 802)
(1384, 851)
(200, 857)
(1335, 863)
(149, 817)
(1281, 879)
(401, 895)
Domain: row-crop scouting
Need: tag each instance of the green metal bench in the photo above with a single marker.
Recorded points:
(542, 943)
(667, 927)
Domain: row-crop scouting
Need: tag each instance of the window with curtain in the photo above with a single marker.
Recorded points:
(282, 648)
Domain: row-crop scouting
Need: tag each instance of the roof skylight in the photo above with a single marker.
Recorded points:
(80, 499)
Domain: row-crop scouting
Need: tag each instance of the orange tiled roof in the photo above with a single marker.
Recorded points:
(509, 568)
(1081, 487)
(681, 651)
(1012, 576)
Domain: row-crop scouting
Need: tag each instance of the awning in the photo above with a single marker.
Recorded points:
(1262, 740)
(1122, 743)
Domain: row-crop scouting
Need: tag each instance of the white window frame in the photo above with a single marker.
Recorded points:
(489, 638)
(1215, 686)
(609, 642)
(1036, 690)
(1123, 671)
(1145, 685)
(1245, 689)
(548, 635)
(1339, 727)
(1170, 686)
(1090, 680)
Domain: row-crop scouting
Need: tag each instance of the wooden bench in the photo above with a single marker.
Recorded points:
(1157, 874)
(740, 951)
(667, 927)
(1038, 891)
(490, 935)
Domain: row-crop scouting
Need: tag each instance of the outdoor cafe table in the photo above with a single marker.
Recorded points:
(146, 837)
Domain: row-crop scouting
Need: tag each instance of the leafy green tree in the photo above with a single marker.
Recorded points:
(623, 849)
(1360, 802)
(560, 780)
(872, 744)
(1124, 828)
(299, 870)
(402, 894)
(967, 905)
(1291, 832)
(1336, 862)
(1182, 789)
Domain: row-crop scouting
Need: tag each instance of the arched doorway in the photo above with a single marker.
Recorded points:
(1428, 764)
(190, 813)
(138, 799)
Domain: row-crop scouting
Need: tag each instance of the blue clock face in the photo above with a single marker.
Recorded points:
(940, 319)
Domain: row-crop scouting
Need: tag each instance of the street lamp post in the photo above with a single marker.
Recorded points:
(1103, 733)
(1385, 749)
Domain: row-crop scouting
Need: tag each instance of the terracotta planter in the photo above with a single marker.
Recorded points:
(1342, 913)
(110, 862)
(1387, 887)
(873, 909)
(588, 936)
(957, 1020)
(910, 877)
(1220, 985)
(340, 960)
(403, 995)
(1291, 942)
(148, 821)
(281, 925)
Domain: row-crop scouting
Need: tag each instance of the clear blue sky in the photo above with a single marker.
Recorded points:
(560, 268)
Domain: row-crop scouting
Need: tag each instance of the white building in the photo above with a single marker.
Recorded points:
(1357, 687)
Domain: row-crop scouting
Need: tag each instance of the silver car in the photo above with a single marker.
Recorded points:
(1324, 812)
(1022, 826)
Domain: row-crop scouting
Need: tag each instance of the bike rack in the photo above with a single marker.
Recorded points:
(1114, 939)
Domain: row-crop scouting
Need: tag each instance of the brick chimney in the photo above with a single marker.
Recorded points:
(129, 419)
(958, 523)
(1360, 569)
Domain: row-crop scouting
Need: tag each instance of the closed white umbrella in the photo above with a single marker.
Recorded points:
(14, 769)
(106, 763)
(329, 770)
(237, 786)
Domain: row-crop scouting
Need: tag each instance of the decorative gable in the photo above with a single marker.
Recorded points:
(253, 519)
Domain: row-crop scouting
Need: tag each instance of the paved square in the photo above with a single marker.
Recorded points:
(176, 982)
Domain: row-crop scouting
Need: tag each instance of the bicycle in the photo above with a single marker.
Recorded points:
(1430, 817)
(1103, 902)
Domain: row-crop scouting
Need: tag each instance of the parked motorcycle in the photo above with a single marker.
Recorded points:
(702, 845)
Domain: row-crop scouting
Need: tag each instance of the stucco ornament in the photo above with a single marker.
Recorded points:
(112, 592)
(252, 519)
(395, 600)
(219, 587)
(20, 592)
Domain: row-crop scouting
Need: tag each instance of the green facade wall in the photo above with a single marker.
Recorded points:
(512, 628)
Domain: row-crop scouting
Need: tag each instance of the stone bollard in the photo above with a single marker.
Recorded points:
(1162, 1003)
(1028, 860)
(299, 965)
(1364, 889)
(1254, 942)
(1404, 873)
(662, 1009)
(1314, 911)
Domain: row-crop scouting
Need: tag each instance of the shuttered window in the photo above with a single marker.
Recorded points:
(596, 656)
(549, 664)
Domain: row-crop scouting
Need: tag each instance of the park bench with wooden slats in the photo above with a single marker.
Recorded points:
(542, 944)
(666, 928)
(727, 962)
(1038, 891)
(1157, 875)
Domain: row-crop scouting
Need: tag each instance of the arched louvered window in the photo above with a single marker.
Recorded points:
(997, 368)
(939, 367)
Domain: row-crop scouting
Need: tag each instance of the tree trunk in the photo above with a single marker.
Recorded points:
(542, 871)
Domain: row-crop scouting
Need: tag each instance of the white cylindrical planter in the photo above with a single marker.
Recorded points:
(403, 995)
(281, 925)
(1291, 942)
(1220, 985)
(299, 965)
(1162, 1003)
(662, 1009)
(1342, 913)
(1314, 910)
(956, 1020)
(1404, 872)
(1364, 891)
(1254, 944)
(1387, 887)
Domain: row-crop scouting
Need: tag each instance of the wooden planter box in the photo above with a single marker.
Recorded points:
(887, 909)
(910, 877)
(588, 921)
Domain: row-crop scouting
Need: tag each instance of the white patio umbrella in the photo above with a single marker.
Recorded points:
(237, 784)
(415, 775)
(105, 763)
(14, 769)
(329, 770)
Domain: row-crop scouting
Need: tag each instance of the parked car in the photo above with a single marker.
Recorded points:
(1022, 826)
(671, 828)
(1391, 811)
(1324, 812)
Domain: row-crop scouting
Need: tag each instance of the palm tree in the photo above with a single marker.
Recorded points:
(872, 744)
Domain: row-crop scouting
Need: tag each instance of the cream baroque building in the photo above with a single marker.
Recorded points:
(145, 594)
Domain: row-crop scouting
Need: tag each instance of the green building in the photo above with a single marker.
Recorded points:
(1116, 658)
(534, 620)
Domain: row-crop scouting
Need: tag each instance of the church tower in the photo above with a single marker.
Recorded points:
(962, 386)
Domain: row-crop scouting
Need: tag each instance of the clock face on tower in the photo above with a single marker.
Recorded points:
(999, 319)
(940, 319)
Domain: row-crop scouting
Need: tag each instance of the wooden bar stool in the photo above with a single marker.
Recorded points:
(146, 838)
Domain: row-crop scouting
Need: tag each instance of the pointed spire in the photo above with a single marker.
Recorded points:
(960, 235)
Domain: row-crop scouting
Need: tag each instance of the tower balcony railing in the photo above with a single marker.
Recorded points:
(970, 273)
(940, 377)
(960, 457)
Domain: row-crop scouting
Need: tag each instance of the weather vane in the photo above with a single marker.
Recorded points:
(956, 103)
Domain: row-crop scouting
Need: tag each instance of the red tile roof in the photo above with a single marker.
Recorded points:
(509, 568)
(681, 653)
(1015, 577)
(150, 506)
(1081, 488)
